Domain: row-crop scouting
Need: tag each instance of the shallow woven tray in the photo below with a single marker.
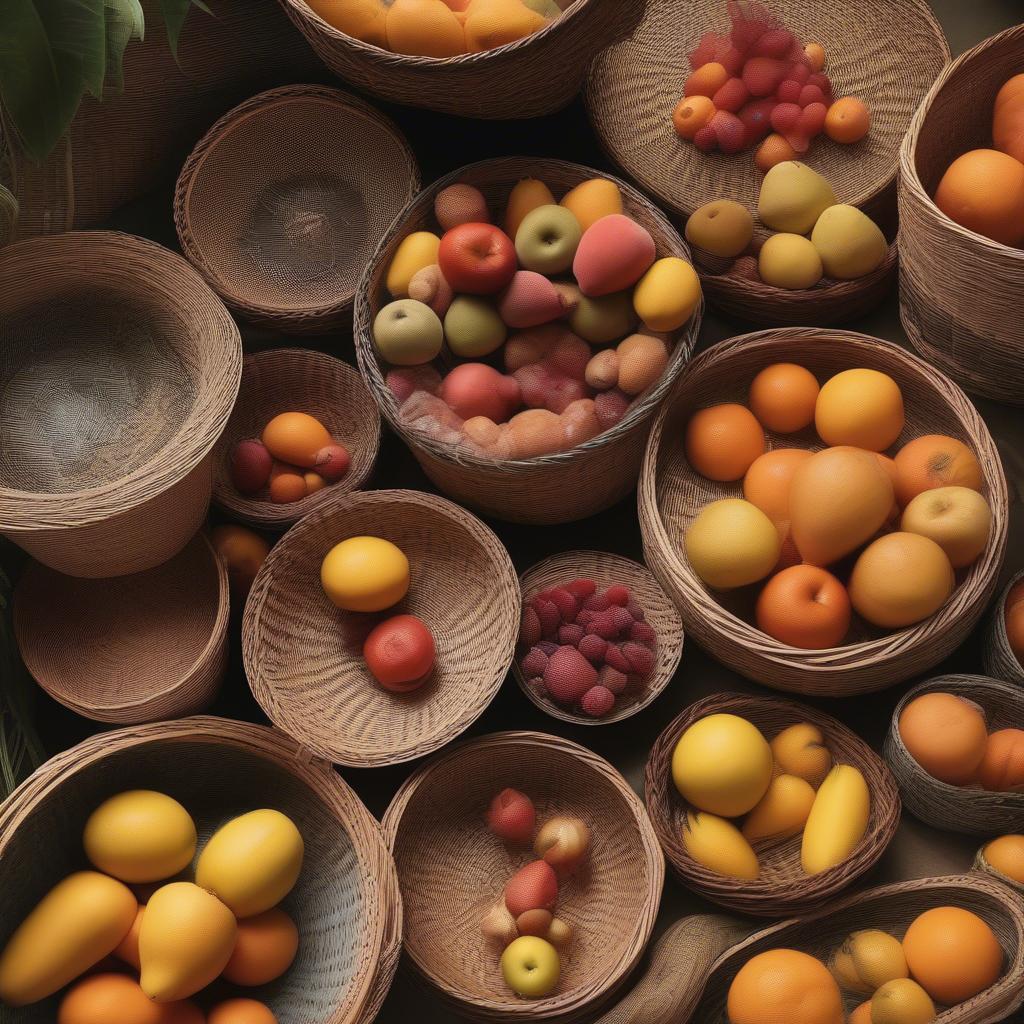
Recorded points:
(552, 488)
(960, 292)
(218, 769)
(285, 198)
(605, 569)
(783, 888)
(295, 379)
(999, 661)
(139, 648)
(969, 809)
(671, 495)
(303, 656)
(118, 370)
(452, 869)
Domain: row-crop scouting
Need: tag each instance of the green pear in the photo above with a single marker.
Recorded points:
(849, 242)
(793, 197)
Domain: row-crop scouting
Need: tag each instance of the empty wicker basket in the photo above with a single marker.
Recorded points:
(452, 869)
(294, 379)
(959, 291)
(998, 658)
(552, 488)
(285, 198)
(218, 769)
(303, 656)
(119, 368)
(671, 495)
(969, 809)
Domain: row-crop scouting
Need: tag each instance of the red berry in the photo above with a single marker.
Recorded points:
(824, 83)
(811, 94)
(251, 464)
(705, 139)
(636, 611)
(570, 634)
(640, 658)
(399, 653)
(729, 98)
(618, 594)
(785, 117)
(512, 817)
(592, 648)
(800, 142)
(596, 603)
(762, 75)
(612, 679)
(597, 702)
(568, 676)
(799, 71)
(621, 618)
(789, 91)
(774, 43)
(534, 887)
(732, 60)
(566, 604)
(534, 662)
(732, 136)
(603, 625)
(547, 647)
(581, 589)
(812, 120)
(756, 118)
(529, 628)
(585, 618)
(550, 618)
(643, 632)
(617, 660)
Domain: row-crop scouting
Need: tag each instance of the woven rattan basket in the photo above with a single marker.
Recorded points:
(285, 198)
(671, 495)
(606, 569)
(981, 863)
(998, 658)
(534, 76)
(343, 901)
(783, 886)
(303, 656)
(553, 488)
(134, 649)
(452, 869)
(969, 809)
(294, 379)
(960, 292)
(119, 368)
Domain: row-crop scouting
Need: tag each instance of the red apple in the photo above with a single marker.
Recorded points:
(511, 816)
(399, 653)
(477, 259)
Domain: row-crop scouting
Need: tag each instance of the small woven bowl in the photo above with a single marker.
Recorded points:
(997, 657)
(303, 656)
(294, 379)
(219, 769)
(452, 869)
(671, 495)
(138, 648)
(969, 809)
(605, 569)
(783, 887)
(285, 198)
(982, 864)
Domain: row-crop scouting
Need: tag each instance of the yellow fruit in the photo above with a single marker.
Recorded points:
(862, 1014)
(784, 986)
(530, 967)
(719, 845)
(75, 925)
(140, 836)
(424, 28)
(860, 407)
(722, 764)
(365, 574)
(732, 543)
(958, 519)
(1006, 855)
(361, 19)
(118, 999)
(789, 261)
(186, 940)
(526, 196)
(901, 1001)
(666, 296)
(252, 862)
(838, 819)
(867, 960)
(591, 200)
(493, 23)
(800, 750)
(782, 811)
(415, 252)
(793, 197)
(723, 228)
(849, 242)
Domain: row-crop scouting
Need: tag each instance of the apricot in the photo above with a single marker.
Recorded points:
(804, 606)
(493, 23)
(946, 735)
(722, 227)
(287, 485)
(774, 150)
(934, 460)
(706, 80)
(1002, 767)
(816, 55)
(691, 114)
(847, 120)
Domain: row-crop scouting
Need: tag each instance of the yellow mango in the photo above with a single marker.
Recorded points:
(361, 19)
(800, 750)
(424, 28)
(591, 200)
(415, 252)
(719, 845)
(492, 23)
(782, 811)
(666, 296)
(838, 819)
(526, 196)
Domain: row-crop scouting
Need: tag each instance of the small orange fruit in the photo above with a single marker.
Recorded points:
(783, 396)
(862, 1015)
(816, 55)
(934, 460)
(860, 407)
(766, 483)
(983, 191)
(706, 80)
(1006, 855)
(774, 150)
(1008, 118)
(784, 986)
(242, 551)
(265, 947)
(241, 1011)
(946, 735)
(287, 484)
(804, 606)
(723, 441)
(691, 114)
(847, 120)
(1002, 767)
(295, 437)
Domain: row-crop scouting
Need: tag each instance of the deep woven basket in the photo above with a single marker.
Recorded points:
(552, 488)
(969, 809)
(217, 768)
(534, 76)
(119, 370)
(997, 657)
(285, 198)
(134, 649)
(452, 869)
(606, 569)
(303, 656)
(784, 888)
(960, 292)
(671, 495)
(297, 380)
(982, 864)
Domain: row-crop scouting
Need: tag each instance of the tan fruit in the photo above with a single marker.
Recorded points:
(722, 227)
(732, 543)
(958, 519)
(781, 812)
(867, 960)
(800, 750)
(902, 1001)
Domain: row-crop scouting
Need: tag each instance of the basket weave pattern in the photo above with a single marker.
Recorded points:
(998, 658)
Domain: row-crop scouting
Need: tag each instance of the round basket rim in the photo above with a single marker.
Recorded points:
(997, 641)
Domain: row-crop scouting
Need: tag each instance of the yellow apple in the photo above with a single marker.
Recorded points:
(958, 519)
(531, 967)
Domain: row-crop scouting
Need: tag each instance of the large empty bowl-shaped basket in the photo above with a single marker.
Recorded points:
(118, 370)
(997, 655)
(452, 870)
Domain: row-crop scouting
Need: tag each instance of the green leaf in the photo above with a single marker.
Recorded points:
(125, 21)
(78, 39)
(175, 12)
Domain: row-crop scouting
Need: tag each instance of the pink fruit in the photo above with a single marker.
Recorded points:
(530, 300)
(529, 628)
(597, 702)
(251, 464)
(706, 140)
(404, 382)
(534, 887)
(611, 406)
(643, 632)
(592, 647)
(460, 204)
(812, 120)
(618, 594)
(549, 616)
(613, 254)
(534, 663)
(621, 619)
(565, 602)
(614, 657)
(547, 647)
(612, 679)
(585, 617)
(499, 925)
(545, 386)
(563, 841)
(789, 91)
(756, 117)
(476, 389)
(570, 634)
(569, 675)
(581, 588)
(762, 75)
(730, 97)
(785, 116)
(332, 462)
(512, 817)
(775, 43)
(799, 142)
(810, 94)
(603, 625)
(635, 610)
(799, 71)
(732, 135)
(824, 83)
(597, 603)
(640, 658)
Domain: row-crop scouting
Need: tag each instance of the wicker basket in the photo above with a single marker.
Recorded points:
(135, 649)
(969, 809)
(671, 495)
(998, 659)
(605, 569)
(217, 768)
(783, 888)
(534, 76)
(960, 292)
(452, 868)
(303, 656)
(287, 379)
(391, 944)
(553, 488)
(981, 864)
(119, 370)
(279, 210)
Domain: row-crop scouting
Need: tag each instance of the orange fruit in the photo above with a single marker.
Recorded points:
(804, 606)
(983, 191)
(1015, 596)
(265, 947)
(783, 396)
(784, 986)
(242, 550)
(1008, 118)
(862, 1015)
(860, 407)
(691, 114)
(706, 80)
(241, 1011)
(287, 484)
(935, 460)
(946, 735)
(1006, 855)
(816, 55)
(847, 120)
(774, 150)
(766, 483)
(952, 953)
(295, 437)
(723, 441)
(424, 28)
(1002, 767)
(1015, 629)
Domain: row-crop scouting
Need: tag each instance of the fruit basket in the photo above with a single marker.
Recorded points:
(968, 808)
(303, 656)
(959, 291)
(982, 864)
(139, 648)
(436, 822)
(999, 660)
(671, 494)
(783, 887)
(285, 379)
(121, 368)
(216, 767)
(279, 212)
(557, 488)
